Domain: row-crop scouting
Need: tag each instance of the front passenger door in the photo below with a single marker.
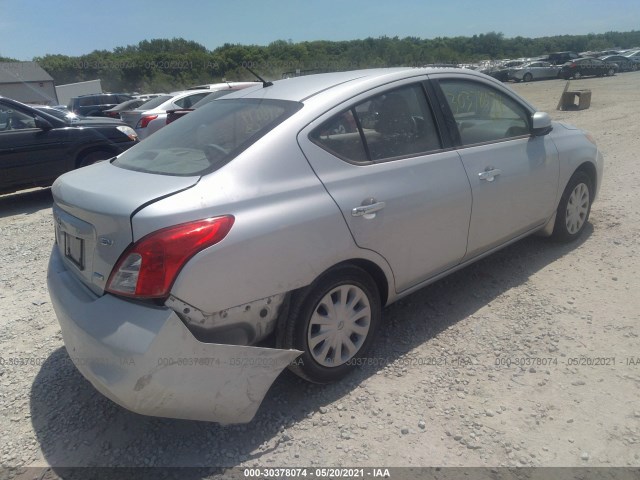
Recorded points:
(514, 175)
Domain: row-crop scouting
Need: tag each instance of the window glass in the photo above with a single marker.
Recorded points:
(190, 100)
(397, 123)
(483, 114)
(207, 138)
(154, 102)
(12, 119)
(340, 136)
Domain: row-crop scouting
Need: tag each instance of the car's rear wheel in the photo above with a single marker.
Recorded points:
(527, 77)
(333, 322)
(611, 72)
(94, 157)
(574, 208)
(577, 75)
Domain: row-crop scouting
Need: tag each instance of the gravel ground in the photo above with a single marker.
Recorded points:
(497, 365)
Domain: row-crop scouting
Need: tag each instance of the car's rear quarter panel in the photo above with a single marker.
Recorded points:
(287, 229)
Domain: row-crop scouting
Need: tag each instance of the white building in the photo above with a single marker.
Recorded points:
(27, 82)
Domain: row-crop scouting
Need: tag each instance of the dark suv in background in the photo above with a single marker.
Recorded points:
(93, 105)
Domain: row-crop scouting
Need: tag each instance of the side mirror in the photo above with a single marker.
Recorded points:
(42, 124)
(541, 124)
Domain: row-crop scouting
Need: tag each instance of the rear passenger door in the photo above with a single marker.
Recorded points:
(402, 192)
(513, 174)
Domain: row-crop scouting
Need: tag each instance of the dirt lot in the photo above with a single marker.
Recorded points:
(530, 357)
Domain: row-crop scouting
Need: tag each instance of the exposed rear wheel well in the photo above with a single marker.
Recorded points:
(376, 273)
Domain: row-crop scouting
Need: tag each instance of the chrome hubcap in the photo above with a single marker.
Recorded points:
(339, 325)
(577, 208)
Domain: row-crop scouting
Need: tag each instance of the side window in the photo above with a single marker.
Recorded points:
(397, 123)
(11, 119)
(340, 135)
(483, 114)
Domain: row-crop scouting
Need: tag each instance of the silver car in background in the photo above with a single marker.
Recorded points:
(538, 70)
(151, 116)
(269, 228)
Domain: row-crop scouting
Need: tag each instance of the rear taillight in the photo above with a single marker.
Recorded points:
(573, 65)
(148, 268)
(144, 121)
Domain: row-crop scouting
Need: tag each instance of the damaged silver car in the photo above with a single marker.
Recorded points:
(269, 228)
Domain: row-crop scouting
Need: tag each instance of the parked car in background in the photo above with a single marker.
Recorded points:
(207, 241)
(93, 105)
(533, 71)
(39, 144)
(583, 67)
(151, 116)
(633, 55)
(173, 115)
(625, 64)
(62, 113)
(124, 107)
(501, 71)
(559, 58)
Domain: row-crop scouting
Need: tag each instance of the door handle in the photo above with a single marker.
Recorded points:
(489, 174)
(367, 209)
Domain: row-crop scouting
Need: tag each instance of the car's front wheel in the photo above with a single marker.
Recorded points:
(333, 322)
(611, 72)
(527, 77)
(574, 208)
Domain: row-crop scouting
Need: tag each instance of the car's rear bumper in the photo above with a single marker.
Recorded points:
(145, 359)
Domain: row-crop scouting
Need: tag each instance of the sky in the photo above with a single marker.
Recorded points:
(30, 28)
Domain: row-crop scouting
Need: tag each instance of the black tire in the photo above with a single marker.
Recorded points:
(577, 75)
(527, 77)
(572, 216)
(308, 307)
(94, 157)
(611, 72)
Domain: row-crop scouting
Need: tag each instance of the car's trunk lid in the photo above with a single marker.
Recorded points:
(92, 212)
(131, 117)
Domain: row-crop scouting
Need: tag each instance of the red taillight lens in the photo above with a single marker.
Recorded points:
(149, 267)
(144, 121)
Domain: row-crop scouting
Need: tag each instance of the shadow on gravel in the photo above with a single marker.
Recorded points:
(78, 427)
(25, 202)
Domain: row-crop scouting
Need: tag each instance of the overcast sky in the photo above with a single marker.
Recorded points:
(30, 28)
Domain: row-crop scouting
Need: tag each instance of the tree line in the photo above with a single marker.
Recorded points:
(163, 65)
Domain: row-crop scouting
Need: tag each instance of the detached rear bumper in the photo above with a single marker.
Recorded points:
(147, 361)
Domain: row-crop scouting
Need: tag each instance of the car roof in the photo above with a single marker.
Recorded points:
(302, 88)
(224, 85)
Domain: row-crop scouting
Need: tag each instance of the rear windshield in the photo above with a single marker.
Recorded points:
(207, 138)
(154, 102)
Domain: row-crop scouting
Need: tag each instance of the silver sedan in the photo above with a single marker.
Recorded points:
(269, 228)
(534, 71)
